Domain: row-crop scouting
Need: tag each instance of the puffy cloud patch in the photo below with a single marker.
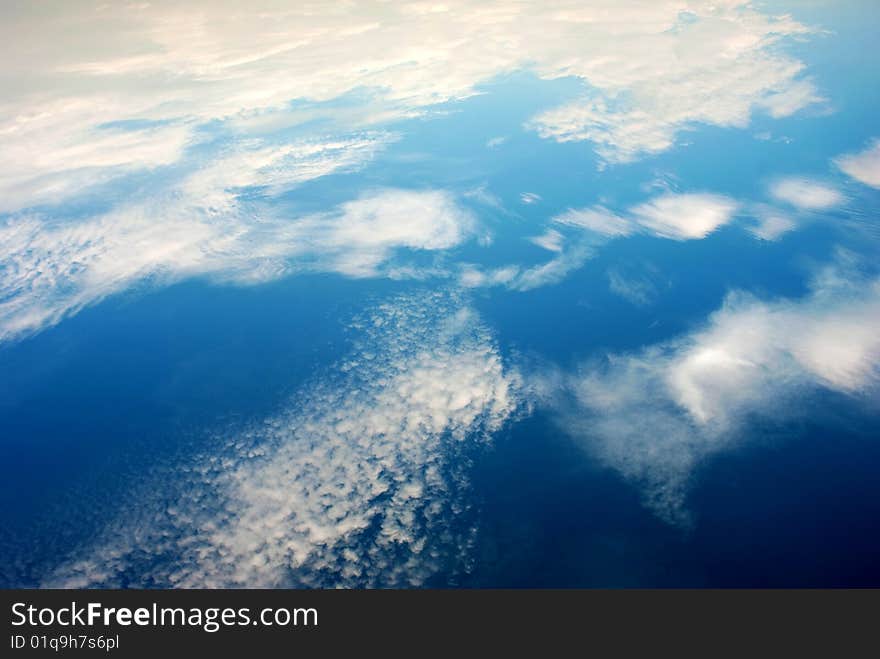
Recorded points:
(806, 194)
(684, 216)
(863, 166)
(361, 482)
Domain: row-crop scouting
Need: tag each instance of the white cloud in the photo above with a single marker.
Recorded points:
(655, 74)
(655, 415)
(472, 276)
(275, 168)
(483, 195)
(519, 278)
(551, 240)
(598, 220)
(554, 270)
(687, 216)
(684, 216)
(362, 481)
(529, 198)
(771, 224)
(638, 288)
(806, 194)
(863, 166)
(135, 90)
(54, 269)
(199, 95)
(676, 216)
(49, 162)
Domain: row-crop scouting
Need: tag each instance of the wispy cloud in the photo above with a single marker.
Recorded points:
(638, 285)
(273, 168)
(686, 216)
(54, 269)
(597, 219)
(360, 482)
(551, 240)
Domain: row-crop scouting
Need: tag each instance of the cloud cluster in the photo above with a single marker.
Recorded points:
(196, 105)
(656, 414)
(360, 482)
(53, 269)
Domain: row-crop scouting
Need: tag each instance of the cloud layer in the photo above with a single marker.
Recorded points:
(137, 88)
(360, 482)
(135, 149)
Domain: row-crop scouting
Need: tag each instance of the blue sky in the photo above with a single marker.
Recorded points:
(383, 236)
